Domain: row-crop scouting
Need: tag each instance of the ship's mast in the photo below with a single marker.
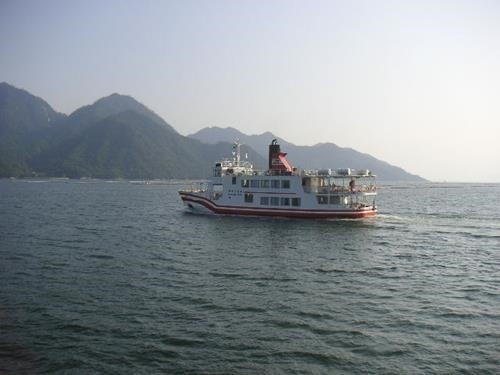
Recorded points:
(236, 152)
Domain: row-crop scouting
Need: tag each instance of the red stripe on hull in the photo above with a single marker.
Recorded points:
(291, 213)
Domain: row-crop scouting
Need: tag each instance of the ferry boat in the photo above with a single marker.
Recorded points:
(237, 188)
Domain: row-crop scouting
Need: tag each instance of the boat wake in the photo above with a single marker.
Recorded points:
(392, 218)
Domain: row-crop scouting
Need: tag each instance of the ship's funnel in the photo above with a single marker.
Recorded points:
(277, 159)
(274, 151)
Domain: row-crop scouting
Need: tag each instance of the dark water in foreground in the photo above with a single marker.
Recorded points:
(115, 278)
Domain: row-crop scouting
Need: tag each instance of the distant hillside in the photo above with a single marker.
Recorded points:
(322, 155)
(118, 137)
(25, 121)
(111, 105)
(130, 145)
(127, 144)
(115, 137)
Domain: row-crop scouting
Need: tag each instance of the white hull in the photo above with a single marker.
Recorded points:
(199, 204)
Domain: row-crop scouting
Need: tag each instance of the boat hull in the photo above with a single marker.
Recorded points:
(200, 204)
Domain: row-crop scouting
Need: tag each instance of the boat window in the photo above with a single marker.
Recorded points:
(248, 197)
(217, 190)
(334, 199)
(244, 183)
(275, 201)
(285, 201)
(264, 184)
(296, 202)
(306, 184)
(285, 184)
(254, 183)
(264, 201)
(322, 199)
(234, 180)
(275, 184)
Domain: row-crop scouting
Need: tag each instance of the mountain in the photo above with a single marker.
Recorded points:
(25, 121)
(130, 145)
(24, 114)
(118, 137)
(115, 137)
(111, 105)
(322, 155)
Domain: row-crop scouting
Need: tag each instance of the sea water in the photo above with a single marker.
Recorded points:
(114, 277)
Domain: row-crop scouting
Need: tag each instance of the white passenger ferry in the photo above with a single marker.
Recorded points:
(236, 188)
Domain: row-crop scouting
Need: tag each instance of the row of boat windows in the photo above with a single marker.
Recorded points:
(295, 202)
(325, 199)
(264, 184)
(274, 201)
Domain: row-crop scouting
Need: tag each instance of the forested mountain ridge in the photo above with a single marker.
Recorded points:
(115, 137)
(118, 137)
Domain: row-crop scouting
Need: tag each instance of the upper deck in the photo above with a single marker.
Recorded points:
(319, 181)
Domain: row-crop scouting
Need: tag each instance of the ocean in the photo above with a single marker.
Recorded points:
(114, 277)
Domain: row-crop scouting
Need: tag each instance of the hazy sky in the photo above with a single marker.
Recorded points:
(414, 83)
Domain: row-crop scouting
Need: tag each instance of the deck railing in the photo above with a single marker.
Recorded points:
(341, 189)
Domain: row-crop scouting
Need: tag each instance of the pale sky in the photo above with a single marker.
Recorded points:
(414, 83)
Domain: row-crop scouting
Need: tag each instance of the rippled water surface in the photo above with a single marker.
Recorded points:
(115, 278)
